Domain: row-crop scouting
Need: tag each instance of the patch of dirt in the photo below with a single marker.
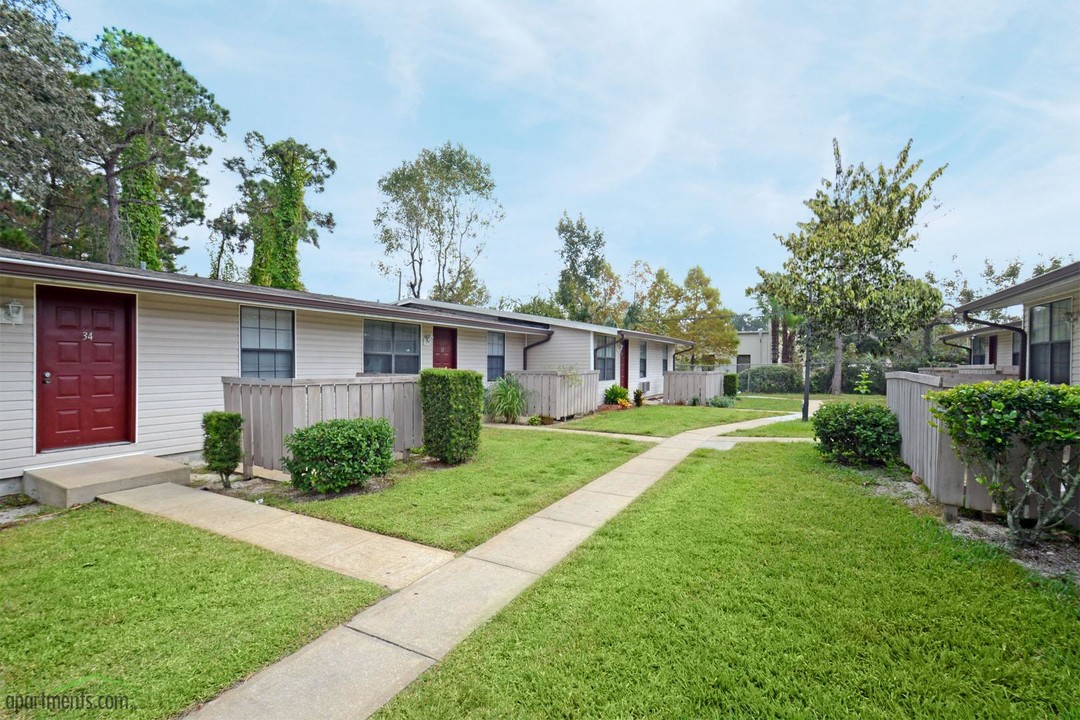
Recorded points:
(1057, 556)
(258, 489)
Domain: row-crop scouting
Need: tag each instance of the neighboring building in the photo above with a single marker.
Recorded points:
(755, 348)
(1049, 339)
(624, 357)
(990, 347)
(98, 360)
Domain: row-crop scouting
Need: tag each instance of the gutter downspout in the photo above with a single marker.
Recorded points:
(677, 353)
(965, 348)
(1011, 328)
(525, 351)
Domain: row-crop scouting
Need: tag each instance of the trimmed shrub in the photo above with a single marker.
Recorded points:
(771, 379)
(722, 401)
(614, 394)
(1021, 441)
(506, 398)
(333, 455)
(453, 403)
(731, 385)
(536, 420)
(639, 397)
(857, 433)
(221, 449)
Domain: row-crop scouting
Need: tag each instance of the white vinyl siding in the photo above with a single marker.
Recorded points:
(184, 346)
(1072, 330)
(328, 345)
(655, 373)
(472, 351)
(567, 348)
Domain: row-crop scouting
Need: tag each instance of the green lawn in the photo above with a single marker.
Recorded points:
(825, 397)
(785, 429)
(662, 420)
(776, 404)
(516, 473)
(110, 601)
(727, 591)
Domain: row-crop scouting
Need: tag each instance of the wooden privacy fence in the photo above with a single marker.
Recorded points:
(272, 409)
(560, 394)
(928, 451)
(682, 387)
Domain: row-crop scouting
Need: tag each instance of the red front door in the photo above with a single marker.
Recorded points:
(85, 378)
(992, 351)
(444, 350)
(624, 364)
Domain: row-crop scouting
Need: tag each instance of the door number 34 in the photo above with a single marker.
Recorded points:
(88, 335)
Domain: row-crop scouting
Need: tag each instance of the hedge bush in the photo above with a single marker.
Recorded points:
(857, 433)
(731, 384)
(1022, 439)
(222, 451)
(614, 394)
(333, 455)
(453, 404)
(721, 401)
(771, 379)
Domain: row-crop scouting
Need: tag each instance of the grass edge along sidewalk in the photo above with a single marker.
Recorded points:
(753, 595)
(106, 600)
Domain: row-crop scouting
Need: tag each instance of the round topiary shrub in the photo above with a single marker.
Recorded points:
(857, 433)
(333, 455)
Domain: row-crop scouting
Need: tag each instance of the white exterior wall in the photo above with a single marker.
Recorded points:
(756, 345)
(183, 347)
(1074, 348)
(568, 347)
(472, 351)
(653, 366)
(328, 345)
(599, 339)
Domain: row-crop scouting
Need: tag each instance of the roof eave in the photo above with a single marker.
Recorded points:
(1062, 280)
(22, 267)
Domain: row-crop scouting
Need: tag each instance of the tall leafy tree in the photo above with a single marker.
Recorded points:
(273, 214)
(433, 220)
(703, 319)
(146, 98)
(46, 117)
(585, 269)
(844, 272)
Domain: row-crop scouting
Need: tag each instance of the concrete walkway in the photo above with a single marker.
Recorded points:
(353, 670)
(350, 551)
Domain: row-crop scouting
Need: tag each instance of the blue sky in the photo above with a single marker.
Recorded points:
(689, 132)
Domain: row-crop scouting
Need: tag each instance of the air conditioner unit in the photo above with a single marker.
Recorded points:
(644, 386)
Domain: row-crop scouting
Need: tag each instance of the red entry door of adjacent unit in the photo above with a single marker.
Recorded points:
(991, 354)
(85, 373)
(624, 364)
(444, 348)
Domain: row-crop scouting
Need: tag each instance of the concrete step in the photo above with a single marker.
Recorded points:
(80, 483)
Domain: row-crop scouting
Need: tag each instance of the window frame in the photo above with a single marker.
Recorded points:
(501, 358)
(604, 358)
(979, 347)
(394, 353)
(1041, 371)
(643, 359)
(259, 349)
